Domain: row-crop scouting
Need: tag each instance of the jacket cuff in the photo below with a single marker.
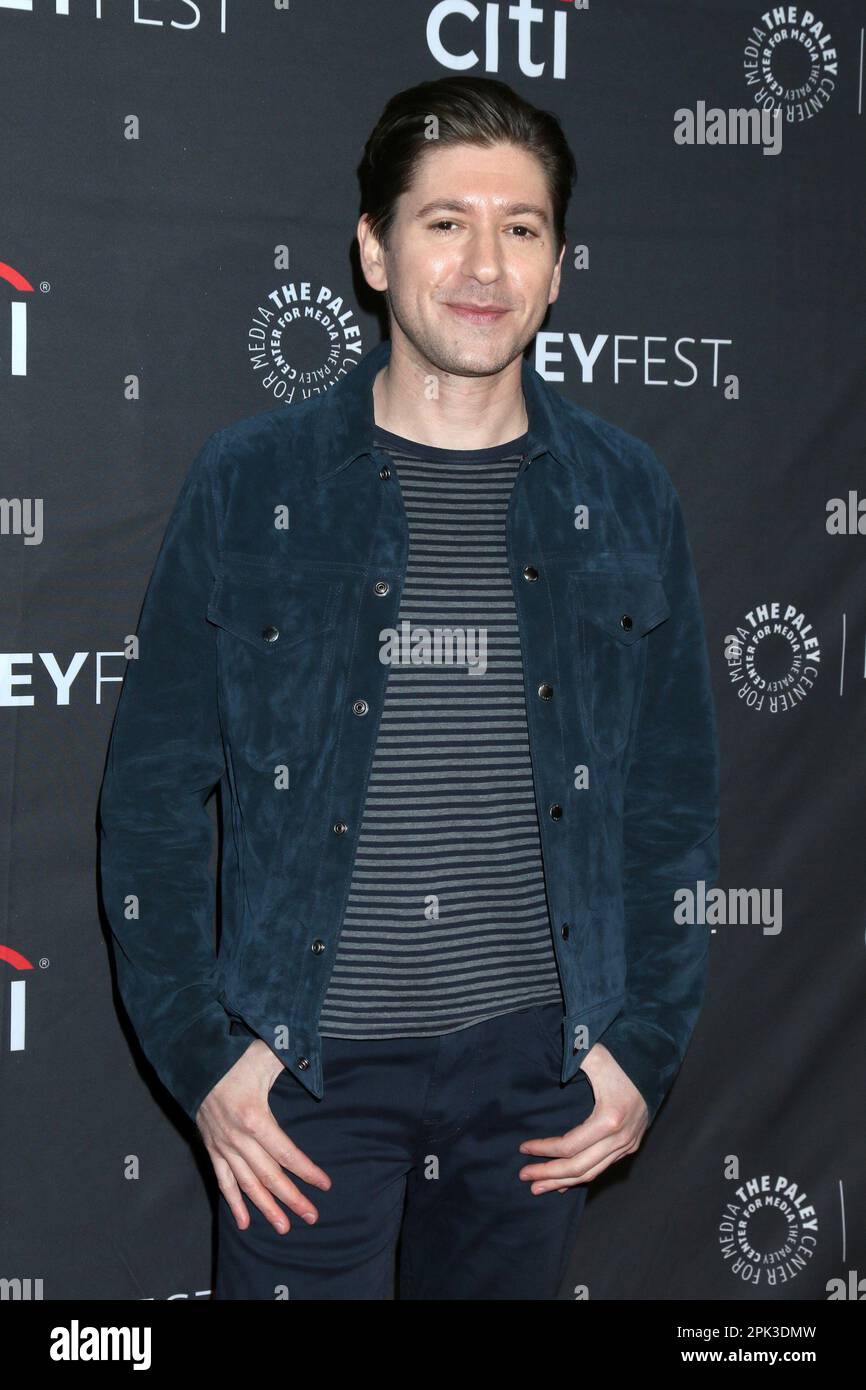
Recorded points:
(648, 1056)
(200, 1055)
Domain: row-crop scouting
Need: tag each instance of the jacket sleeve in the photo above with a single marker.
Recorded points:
(670, 832)
(155, 835)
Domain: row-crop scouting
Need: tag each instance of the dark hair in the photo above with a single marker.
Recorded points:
(469, 111)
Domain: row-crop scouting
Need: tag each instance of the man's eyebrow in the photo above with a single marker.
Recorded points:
(458, 205)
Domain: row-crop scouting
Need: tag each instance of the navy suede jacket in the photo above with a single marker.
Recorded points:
(258, 668)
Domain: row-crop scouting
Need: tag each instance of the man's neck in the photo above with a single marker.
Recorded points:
(466, 413)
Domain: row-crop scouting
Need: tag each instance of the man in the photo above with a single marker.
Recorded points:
(438, 634)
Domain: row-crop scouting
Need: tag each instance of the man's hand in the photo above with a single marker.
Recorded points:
(615, 1128)
(247, 1147)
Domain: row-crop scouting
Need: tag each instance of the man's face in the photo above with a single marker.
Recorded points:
(458, 246)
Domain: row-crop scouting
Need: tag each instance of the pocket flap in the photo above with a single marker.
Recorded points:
(271, 609)
(626, 606)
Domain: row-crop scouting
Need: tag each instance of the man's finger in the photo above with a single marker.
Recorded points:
(579, 1167)
(228, 1186)
(268, 1177)
(258, 1194)
(288, 1155)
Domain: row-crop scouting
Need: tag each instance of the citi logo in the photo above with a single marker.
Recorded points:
(17, 339)
(17, 999)
(454, 27)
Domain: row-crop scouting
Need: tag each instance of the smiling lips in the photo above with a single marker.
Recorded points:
(474, 313)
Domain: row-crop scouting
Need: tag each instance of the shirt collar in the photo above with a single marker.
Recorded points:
(343, 431)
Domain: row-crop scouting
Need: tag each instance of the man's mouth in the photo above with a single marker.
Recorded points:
(474, 313)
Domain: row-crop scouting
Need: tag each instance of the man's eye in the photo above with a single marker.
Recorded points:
(444, 223)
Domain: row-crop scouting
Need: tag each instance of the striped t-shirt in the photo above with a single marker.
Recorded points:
(446, 921)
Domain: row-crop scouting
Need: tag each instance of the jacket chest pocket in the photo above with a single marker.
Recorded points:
(276, 648)
(615, 612)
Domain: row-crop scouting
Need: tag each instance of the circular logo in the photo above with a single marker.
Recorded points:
(301, 340)
(769, 1231)
(773, 657)
(790, 63)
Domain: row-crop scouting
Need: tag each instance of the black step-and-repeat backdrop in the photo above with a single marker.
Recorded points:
(178, 209)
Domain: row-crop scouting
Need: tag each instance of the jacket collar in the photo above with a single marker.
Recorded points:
(343, 430)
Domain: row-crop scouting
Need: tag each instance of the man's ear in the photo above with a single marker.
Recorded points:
(555, 279)
(371, 256)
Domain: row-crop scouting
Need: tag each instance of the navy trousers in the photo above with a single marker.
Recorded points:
(420, 1139)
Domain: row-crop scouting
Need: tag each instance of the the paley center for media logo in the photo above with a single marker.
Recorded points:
(302, 338)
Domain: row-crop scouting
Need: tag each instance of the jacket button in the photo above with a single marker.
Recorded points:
(565, 929)
(555, 812)
(530, 572)
(340, 827)
(270, 634)
(360, 707)
(384, 471)
(546, 691)
(626, 622)
(303, 1064)
(381, 587)
(317, 947)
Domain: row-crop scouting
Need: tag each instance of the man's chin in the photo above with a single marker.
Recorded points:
(474, 359)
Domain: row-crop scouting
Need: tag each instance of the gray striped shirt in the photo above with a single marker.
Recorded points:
(446, 921)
